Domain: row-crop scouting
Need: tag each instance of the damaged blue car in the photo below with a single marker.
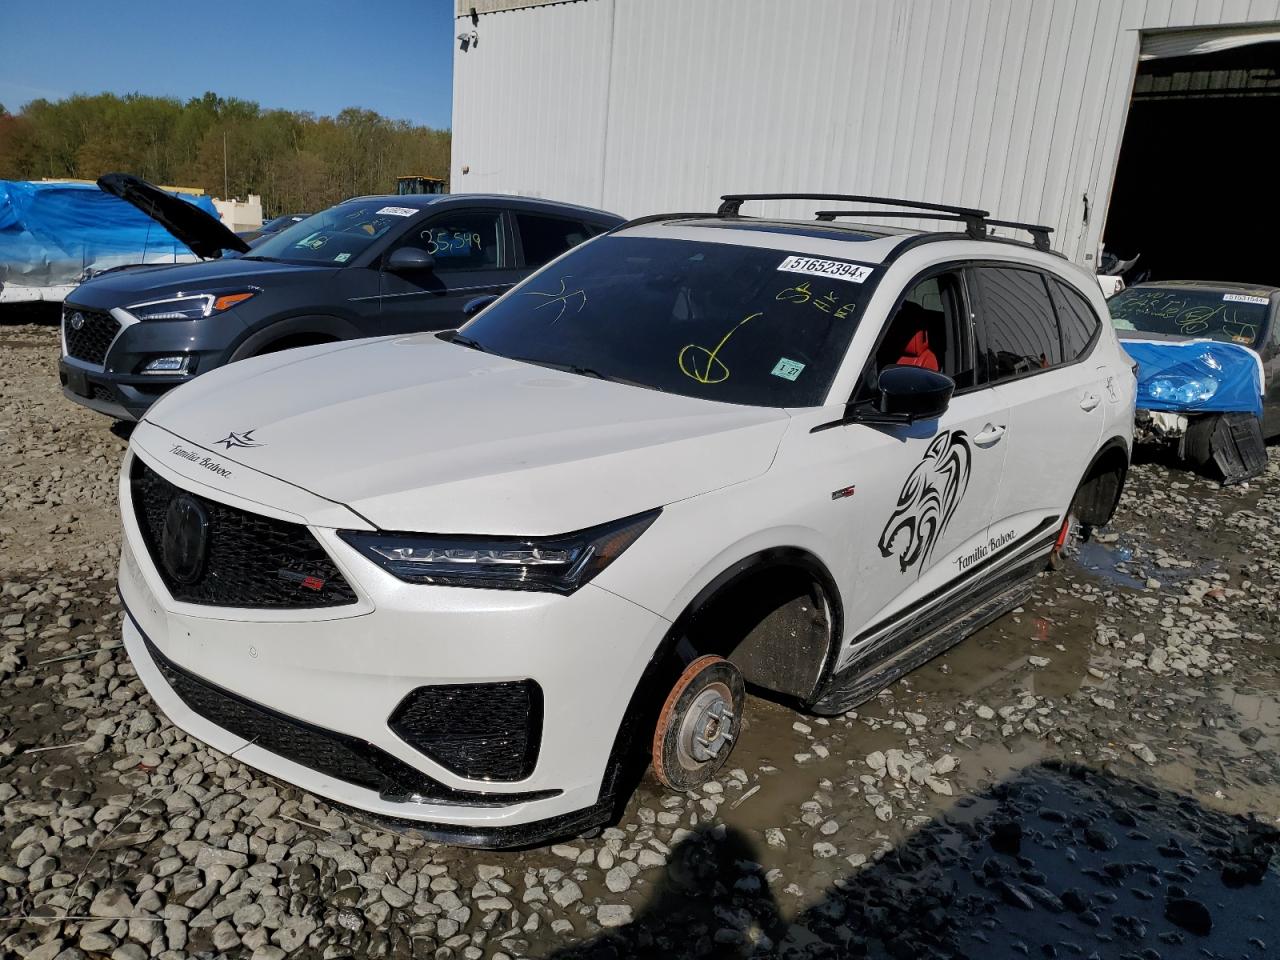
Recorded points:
(1208, 358)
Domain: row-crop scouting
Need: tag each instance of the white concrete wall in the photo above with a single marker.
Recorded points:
(643, 106)
(240, 215)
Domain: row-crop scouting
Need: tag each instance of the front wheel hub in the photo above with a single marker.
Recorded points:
(699, 723)
(708, 726)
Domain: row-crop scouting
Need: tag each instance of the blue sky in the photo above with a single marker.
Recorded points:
(392, 56)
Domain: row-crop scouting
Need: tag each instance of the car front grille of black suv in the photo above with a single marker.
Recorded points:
(90, 339)
(231, 557)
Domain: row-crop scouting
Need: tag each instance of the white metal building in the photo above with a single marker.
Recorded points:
(1016, 106)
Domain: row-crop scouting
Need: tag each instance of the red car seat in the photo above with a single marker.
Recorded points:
(917, 352)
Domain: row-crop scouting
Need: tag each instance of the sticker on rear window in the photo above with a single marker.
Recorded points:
(836, 269)
(1242, 298)
(787, 369)
(397, 211)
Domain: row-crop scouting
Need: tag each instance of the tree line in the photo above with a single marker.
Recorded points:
(296, 161)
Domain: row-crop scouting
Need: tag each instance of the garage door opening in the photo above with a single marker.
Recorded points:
(1196, 189)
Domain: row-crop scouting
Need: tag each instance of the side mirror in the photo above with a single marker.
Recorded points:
(476, 304)
(913, 393)
(409, 259)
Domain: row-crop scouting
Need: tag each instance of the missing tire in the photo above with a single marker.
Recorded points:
(699, 723)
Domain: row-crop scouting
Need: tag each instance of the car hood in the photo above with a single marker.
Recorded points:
(205, 235)
(415, 433)
(119, 288)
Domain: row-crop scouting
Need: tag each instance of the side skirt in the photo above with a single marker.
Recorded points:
(922, 640)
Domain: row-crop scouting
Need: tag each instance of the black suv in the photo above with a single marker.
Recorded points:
(367, 267)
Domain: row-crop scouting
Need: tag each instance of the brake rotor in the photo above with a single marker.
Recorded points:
(699, 723)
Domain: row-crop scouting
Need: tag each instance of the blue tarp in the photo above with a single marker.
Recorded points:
(50, 232)
(1197, 376)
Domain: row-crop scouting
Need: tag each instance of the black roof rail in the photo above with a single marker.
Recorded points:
(833, 214)
(976, 221)
(972, 217)
(1039, 232)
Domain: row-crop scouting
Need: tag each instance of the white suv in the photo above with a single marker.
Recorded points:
(462, 579)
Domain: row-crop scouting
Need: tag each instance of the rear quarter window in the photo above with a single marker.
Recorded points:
(1018, 332)
(1077, 319)
(545, 238)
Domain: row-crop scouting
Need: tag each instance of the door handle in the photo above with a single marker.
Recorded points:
(1089, 401)
(989, 435)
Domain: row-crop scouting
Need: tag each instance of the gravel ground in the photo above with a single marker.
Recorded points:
(1095, 775)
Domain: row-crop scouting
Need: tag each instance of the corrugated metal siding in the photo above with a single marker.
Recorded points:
(529, 102)
(640, 106)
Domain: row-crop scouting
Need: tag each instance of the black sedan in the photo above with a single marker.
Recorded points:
(274, 225)
(367, 267)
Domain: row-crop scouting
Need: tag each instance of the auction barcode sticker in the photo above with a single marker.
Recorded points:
(397, 211)
(835, 269)
(1242, 298)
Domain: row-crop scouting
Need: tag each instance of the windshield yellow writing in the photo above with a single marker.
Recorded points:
(828, 303)
(705, 365)
(1190, 319)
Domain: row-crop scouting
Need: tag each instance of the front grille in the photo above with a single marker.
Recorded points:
(337, 755)
(481, 731)
(91, 341)
(249, 561)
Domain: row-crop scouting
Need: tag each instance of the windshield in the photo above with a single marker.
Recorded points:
(336, 235)
(279, 223)
(722, 322)
(1190, 312)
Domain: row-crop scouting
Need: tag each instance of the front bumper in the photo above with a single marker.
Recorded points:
(110, 382)
(338, 673)
(121, 397)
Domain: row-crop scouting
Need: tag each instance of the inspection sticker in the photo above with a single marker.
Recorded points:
(342, 258)
(836, 269)
(397, 211)
(1242, 298)
(787, 369)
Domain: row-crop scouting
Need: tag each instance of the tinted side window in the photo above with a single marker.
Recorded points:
(545, 238)
(1078, 321)
(461, 241)
(1018, 330)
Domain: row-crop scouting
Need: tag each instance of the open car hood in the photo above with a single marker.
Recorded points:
(205, 235)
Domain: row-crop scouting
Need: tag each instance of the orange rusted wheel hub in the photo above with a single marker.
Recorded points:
(699, 723)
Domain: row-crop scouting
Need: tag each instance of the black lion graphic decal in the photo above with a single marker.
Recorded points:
(929, 498)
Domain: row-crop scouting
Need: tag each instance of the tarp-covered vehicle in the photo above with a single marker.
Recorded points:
(1208, 359)
(55, 234)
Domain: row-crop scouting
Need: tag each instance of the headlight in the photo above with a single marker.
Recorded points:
(557, 564)
(191, 306)
(1182, 390)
